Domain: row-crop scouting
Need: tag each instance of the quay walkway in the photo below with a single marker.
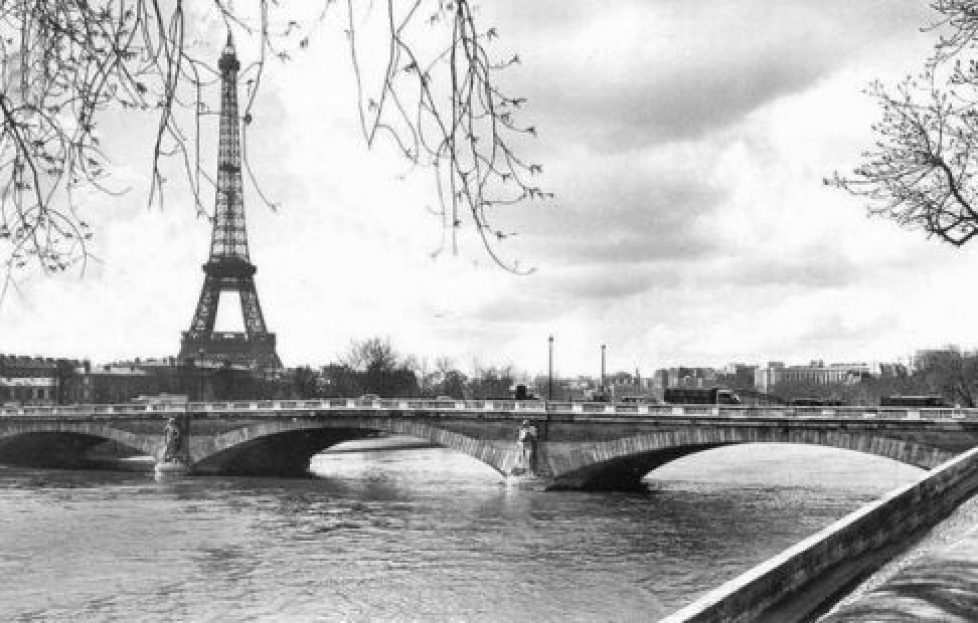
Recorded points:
(808, 578)
(934, 580)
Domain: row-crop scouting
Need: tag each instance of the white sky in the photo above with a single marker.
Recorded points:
(685, 143)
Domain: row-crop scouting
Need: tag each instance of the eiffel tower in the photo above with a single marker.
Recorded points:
(229, 267)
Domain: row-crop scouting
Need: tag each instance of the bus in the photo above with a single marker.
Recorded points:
(700, 396)
(932, 401)
(162, 399)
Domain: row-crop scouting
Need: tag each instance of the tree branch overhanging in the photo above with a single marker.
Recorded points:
(920, 170)
(464, 125)
(64, 65)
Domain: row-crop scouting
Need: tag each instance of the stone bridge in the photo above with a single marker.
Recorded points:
(565, 445)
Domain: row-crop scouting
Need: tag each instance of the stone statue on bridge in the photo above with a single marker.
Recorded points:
(174, 442)
(526, 443)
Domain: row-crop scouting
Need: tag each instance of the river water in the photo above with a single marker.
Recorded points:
(410, 535)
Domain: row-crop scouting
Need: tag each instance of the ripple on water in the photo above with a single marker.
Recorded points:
(424, 534)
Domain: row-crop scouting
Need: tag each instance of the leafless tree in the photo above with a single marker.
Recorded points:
(952, 373)
(920, 171)
(375, 352)
(67, 64)
(491, 381)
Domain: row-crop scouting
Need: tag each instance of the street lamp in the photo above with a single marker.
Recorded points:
(550, 368)
(602, 368)
(200, 374)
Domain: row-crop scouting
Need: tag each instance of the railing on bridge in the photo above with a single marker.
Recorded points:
(477, 407)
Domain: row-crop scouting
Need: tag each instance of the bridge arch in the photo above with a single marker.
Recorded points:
(285, 447)
(622, 463)
(48, 443)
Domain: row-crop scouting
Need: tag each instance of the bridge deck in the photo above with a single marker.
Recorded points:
(476, 408)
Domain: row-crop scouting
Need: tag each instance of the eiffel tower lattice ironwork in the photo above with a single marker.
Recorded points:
(229, 267)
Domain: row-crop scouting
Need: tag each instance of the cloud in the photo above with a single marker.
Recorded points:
(815, 268)
(833, 329)
(601, 286)
(633, 74)
(619, 211)
(679, 102)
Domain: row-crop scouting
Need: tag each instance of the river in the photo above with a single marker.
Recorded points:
(422, 534)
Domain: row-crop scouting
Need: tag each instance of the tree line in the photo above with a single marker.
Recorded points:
(950, 372)
(373, 366)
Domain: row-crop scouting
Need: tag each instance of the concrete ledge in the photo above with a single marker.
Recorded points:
(842, 553)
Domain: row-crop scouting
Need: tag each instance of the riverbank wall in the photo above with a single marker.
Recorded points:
(810, 576)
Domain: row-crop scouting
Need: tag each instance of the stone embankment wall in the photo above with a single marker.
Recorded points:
(800, 580)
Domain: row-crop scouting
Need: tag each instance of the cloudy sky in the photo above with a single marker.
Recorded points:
(685, 143)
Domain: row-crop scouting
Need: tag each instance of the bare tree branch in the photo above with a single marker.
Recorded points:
(920, 171)
(65, 64)
(463, 127)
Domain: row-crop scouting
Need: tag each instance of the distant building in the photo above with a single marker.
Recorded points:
(623, 384)
(767, 379)
(683, 376)
(125, 381)
(891, 370)
(110, 383)
(738, 376)
(660, 379)
(32, 380)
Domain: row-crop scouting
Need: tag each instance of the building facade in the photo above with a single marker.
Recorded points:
(769, 377)
(28, 380)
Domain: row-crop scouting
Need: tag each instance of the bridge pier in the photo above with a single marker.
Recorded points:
(173, 458)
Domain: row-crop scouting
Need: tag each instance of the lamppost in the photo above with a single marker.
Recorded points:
(200, 374)
(602, 368)
(550, 368)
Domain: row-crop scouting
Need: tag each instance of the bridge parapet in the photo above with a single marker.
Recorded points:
(394, 407)
(799, 582)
